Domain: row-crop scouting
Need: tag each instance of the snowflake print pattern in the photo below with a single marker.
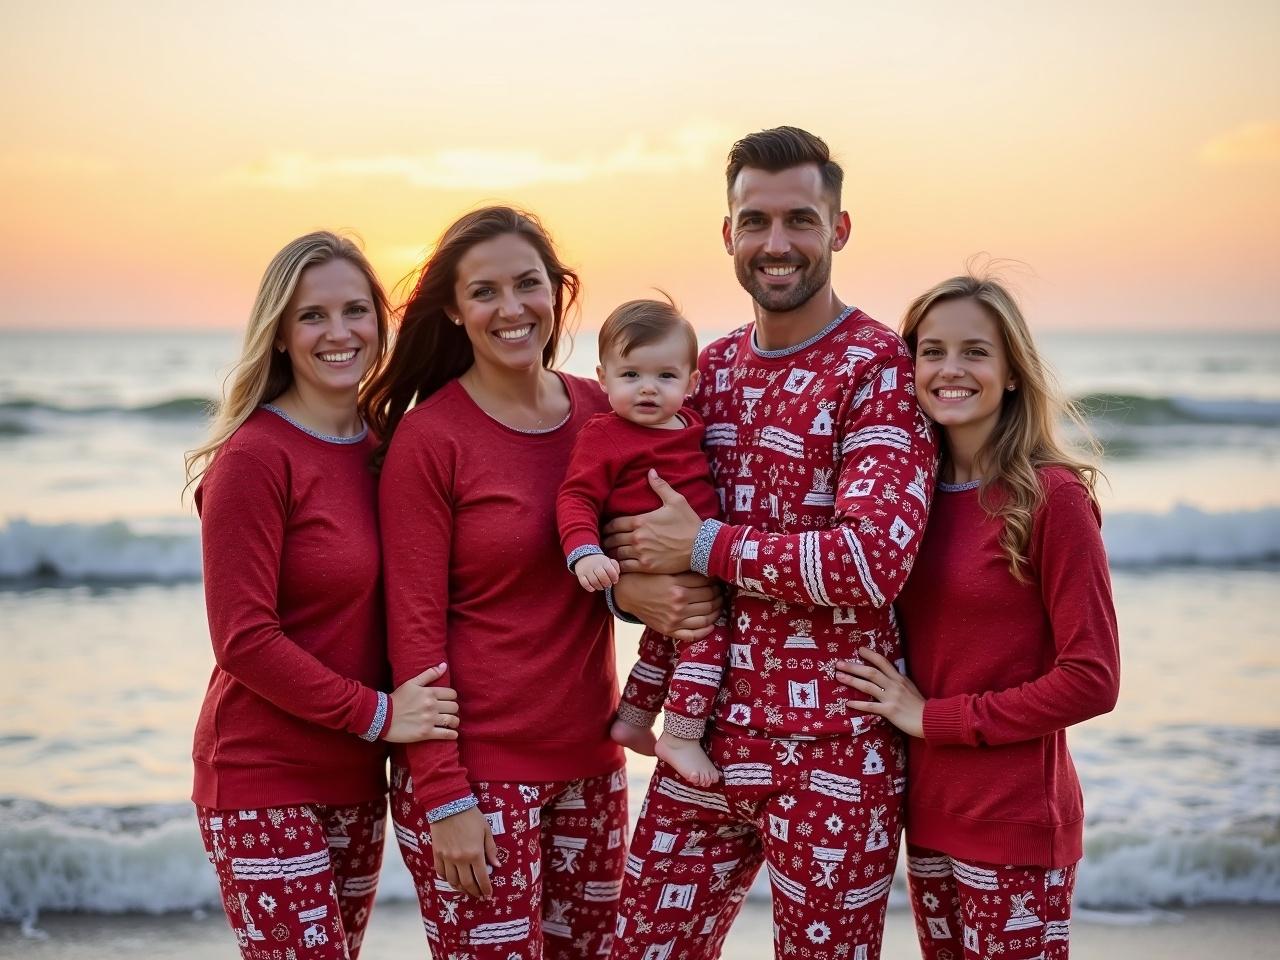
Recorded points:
(826, 489)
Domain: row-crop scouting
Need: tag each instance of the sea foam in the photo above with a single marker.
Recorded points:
(150, 860)
(128, 552)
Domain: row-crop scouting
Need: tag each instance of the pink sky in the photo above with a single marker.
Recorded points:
(156, 155)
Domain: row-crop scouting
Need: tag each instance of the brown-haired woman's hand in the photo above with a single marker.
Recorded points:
(420, 711)
(463, 848)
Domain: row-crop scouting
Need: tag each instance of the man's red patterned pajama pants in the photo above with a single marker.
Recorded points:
(822, 815)
(680, 679)
(300, 880)
(973, 911)
(561, 846)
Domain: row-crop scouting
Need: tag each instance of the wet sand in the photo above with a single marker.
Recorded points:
(1230, 933)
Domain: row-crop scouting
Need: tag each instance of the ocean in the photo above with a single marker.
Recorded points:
(106, 654)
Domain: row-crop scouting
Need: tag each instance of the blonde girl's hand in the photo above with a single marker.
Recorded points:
(596, 572)
(893, 695)
(420, 711)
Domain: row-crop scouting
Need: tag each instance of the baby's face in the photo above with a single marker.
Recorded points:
(648, 386)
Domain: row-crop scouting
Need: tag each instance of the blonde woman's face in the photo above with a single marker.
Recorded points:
(330, 329)
(962, 370)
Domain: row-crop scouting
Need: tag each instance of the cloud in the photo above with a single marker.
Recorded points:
(489, 170)
(1249, 143)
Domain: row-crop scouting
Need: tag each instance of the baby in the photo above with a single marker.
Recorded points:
(648, 366)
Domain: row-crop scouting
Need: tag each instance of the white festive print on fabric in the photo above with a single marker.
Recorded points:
(297, 882)
(976, 911)
(825, 464)
(561, 847)
(696, 850)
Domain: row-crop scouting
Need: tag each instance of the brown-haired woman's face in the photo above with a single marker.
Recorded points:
(504, 298)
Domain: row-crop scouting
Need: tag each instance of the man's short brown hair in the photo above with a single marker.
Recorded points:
(637, 323)
(781, 149)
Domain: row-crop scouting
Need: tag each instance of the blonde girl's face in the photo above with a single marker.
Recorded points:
(962, 369)
(330, 328)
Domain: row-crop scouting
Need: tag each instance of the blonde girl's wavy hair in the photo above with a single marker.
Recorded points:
(1027, 435)
(263, 373)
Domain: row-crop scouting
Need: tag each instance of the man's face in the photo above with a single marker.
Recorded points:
(781, 232)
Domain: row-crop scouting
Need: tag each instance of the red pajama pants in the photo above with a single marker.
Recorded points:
(974, 911)
(561, 846)
(680, 679)
(297, 882)
(822, 815)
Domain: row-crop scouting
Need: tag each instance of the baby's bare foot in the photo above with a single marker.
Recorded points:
(688, 759)
(639, 739)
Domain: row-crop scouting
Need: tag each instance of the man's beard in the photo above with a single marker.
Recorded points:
(813, 277)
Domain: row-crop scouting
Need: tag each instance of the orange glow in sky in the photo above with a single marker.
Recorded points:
(156, 154)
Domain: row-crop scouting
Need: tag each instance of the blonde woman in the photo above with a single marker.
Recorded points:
(290, 782)
(1010, 635)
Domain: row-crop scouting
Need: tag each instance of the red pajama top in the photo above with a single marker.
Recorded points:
(825, 465)
(475, 579)
(291, 578)
(608, 475)
(1006, 667)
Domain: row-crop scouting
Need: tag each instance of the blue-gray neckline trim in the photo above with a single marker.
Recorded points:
(345, 441)
(796, 348)
(959, 487)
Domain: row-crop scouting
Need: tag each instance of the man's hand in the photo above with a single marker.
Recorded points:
(659, 541)
(684, 607)
(595, 571)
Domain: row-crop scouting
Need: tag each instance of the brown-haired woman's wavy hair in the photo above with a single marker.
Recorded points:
(429, 350)
(1026, 436)
(262, 374)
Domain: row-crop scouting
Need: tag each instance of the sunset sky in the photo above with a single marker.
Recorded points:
(156, 154)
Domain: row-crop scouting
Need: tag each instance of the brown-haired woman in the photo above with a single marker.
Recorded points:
(290, 770)
(514, 833)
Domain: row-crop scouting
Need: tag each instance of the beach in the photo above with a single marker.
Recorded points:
(106, 655)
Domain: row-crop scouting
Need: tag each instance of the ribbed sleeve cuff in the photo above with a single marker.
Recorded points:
(700, 557)
(436, 814)
(616, 610)
(944, 721)
(586, 550)
(381, 719)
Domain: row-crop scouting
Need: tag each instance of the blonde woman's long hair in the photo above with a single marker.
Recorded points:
(1027, 435)
(262, 373)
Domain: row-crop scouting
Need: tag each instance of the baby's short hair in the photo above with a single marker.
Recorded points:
(637, 323)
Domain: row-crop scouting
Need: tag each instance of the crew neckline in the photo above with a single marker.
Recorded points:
(517, 431)
(803, 345)
(341, 441)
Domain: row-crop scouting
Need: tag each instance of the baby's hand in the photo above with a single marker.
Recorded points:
(596, 572)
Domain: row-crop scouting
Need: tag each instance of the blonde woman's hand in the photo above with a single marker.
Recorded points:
(420, 711)
(893, 695)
